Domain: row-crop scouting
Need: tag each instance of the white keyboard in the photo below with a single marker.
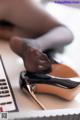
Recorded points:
(7, 100)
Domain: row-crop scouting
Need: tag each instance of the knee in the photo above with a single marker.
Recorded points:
(70, 36)
(65, 35)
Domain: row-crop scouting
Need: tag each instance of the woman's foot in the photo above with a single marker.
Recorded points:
(34, 60)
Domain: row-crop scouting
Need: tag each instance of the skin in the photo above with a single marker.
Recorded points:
(29, 20)
(27, 16)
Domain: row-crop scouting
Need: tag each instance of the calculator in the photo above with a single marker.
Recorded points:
(7, 99)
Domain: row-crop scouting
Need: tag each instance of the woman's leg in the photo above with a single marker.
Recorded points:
(31, 50)
(8, 31)
(29, 15)
(32, 17)
(34, 59)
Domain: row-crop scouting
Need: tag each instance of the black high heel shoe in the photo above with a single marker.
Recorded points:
(66, 88)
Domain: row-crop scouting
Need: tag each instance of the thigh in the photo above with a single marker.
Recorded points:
(30, 15)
